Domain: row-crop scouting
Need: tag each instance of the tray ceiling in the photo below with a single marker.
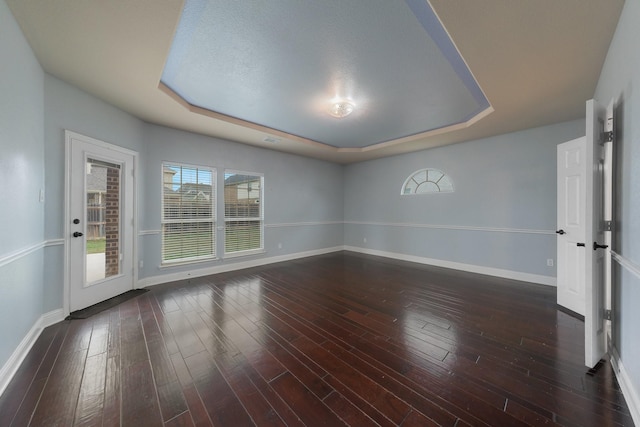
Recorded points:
(391, 63)
(534, 62)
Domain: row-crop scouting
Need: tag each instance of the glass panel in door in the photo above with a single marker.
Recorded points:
(103, 189)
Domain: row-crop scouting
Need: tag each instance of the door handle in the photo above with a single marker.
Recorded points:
(77, 234)
(597, 246)
(580, 244)
(560, 231)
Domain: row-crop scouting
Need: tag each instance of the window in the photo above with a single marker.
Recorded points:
(188, 213)
(243, 213)
(427, 181)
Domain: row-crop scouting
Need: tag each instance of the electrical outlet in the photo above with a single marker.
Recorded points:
(364, 240)
(279, 245)
(550, 262)
(141, 264)
(41, 195)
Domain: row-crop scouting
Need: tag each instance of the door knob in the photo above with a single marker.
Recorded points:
(560, 231)
(597, 246)
(77, 234)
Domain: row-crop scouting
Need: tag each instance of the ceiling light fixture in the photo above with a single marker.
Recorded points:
(341, 109)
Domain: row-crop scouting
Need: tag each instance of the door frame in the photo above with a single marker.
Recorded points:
(596, 327)
(609, 210)
(68, 136)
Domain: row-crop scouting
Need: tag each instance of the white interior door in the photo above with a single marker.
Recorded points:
(99, 221)
(571, 231)
(596, 265)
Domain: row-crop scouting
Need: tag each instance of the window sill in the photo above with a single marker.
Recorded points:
(244, 253)
(193, 261)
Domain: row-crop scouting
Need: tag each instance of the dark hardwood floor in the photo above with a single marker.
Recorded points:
(339, 339)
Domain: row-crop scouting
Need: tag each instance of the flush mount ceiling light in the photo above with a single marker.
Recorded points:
(341, 109)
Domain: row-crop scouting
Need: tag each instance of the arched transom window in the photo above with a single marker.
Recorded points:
(427, 181)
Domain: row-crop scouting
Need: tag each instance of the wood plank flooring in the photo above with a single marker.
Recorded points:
(339, 339)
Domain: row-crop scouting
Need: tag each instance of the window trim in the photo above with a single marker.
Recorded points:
(247, 252)
(213, 220)
(413, 174)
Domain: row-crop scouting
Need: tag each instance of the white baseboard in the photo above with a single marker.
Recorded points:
(507, 274)
(52, 317)
(497, 272)
(11, 367)
(181, 275)
(628, 390)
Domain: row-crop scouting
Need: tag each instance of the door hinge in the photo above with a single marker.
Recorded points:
(608, 315)
(608, 136)
(608, 226)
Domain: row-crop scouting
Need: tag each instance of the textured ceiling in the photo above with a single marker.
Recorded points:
(391, 60)
(537, 62)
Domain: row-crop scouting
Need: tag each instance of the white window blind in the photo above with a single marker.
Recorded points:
(243, 212)
(188, 213)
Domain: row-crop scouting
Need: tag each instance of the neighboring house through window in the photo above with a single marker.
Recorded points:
(96, 177)
(188, 213)
(243, 213)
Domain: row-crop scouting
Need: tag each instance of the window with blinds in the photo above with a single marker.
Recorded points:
(243, 213)
(188, 213)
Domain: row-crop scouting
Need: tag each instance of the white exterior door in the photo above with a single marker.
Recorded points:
(571, 231)
(100, 256)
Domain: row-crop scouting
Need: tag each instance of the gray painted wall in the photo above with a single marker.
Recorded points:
(22, 177)
(505, 194)
(620, 74)
(297, 190)
(67, 107)
(315, 195)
